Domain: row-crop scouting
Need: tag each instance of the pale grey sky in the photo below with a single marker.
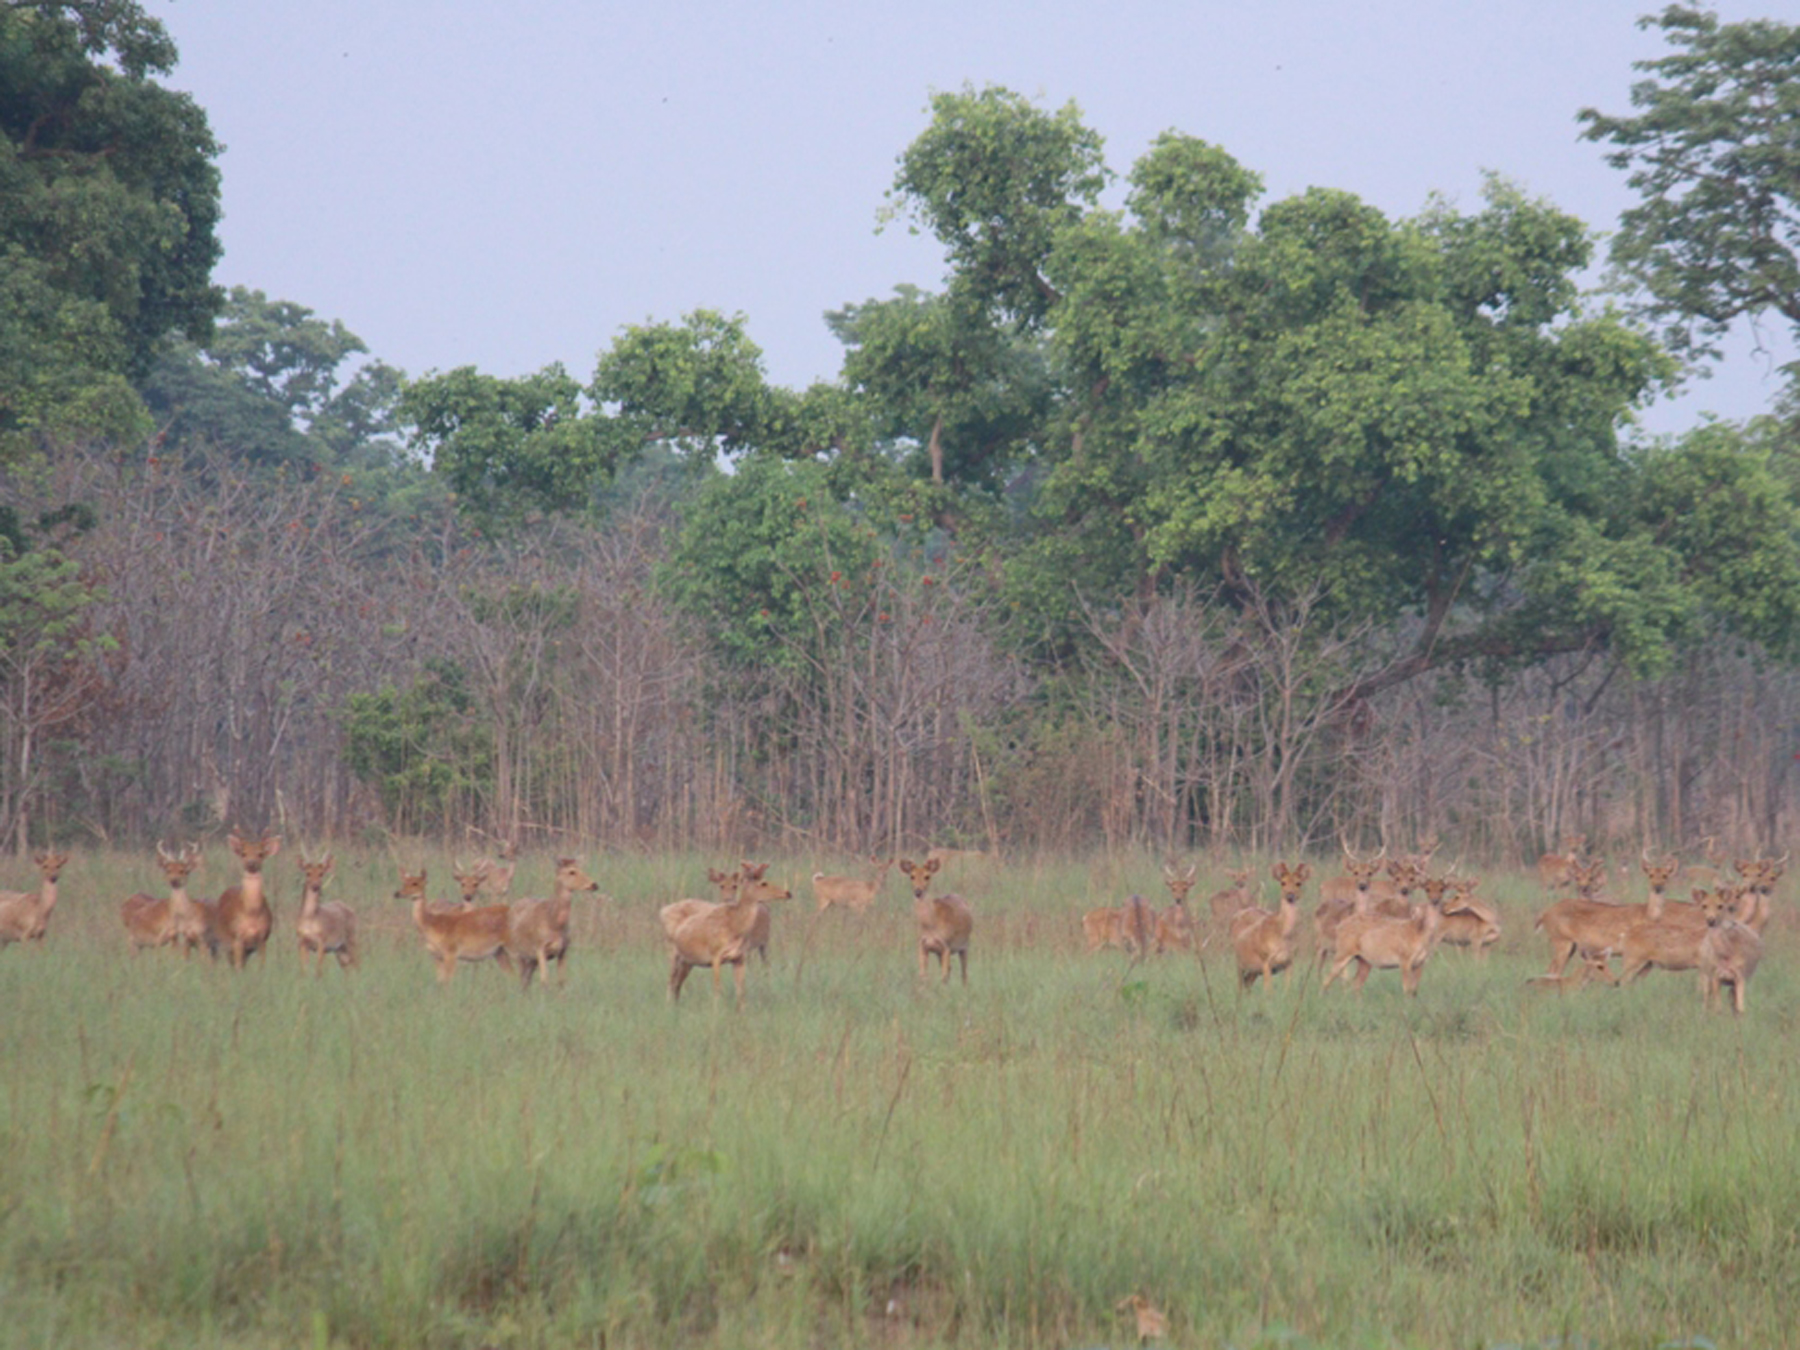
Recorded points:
(509, 184)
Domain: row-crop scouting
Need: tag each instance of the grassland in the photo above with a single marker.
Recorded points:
(198, 1158)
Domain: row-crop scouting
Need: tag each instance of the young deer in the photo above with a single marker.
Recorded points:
(323, 925)
(25, 915)
(716, 935)
(1264, 942)
(1175, 926)
(175, 918)
(240, 919)
(855, 893)
(1729, 952)
(945, 921)
(537, 931)
(1374, 942)
(474, 934)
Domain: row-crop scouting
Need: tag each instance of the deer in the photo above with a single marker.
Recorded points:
(1468, 921)
(323, 925)
(1556, 870)
(1235, 898)
(537, 931)
(151, 922)
(1671, 940)
(1730, 951)
(1264, 942)
(25, 915)
(1175, 926)
(1342, 896)
(1137, 928)
(854, 893)
(496, 874)
(1103, 928)
(1760, 876)
(716, 935)
(240, 919)
(1585, 924)
(1374, 942)
(477, 933)
(945, 921)
(469, 880)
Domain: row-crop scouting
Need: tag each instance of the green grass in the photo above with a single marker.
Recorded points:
(197, 1158)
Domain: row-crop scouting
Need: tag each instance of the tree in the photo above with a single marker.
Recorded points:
(1714, 154)
(109, 199)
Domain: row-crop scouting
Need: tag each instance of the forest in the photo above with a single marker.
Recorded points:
(1211, 522)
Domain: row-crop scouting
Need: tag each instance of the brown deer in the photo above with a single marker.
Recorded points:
(25, 915)
(1175, 925)
(537, 931)
(1729, 952)
(1557, 870)
(497, 873)
(1468, 921)
(1137, 927)
(1359, 892)
(323, 925)
(716, 935)
(1264, 942)
(1374, 942)
(240, 920)
(945, 921)
(153, 922)
(1227, 903)
(474, 934)
(1760, 876)
(469, 880)
(854, 893)
(1103, 928)
(1586, 924)
(1671, 940)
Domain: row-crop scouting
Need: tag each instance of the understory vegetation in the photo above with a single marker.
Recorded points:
(198, 1158)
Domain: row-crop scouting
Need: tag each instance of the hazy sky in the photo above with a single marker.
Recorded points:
(509, 184)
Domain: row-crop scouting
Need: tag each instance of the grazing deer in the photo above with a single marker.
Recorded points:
(945, 921)
(1375, 942)
(1468, 921)
(716, 935)
(323, 925)
(1729, 952)
(240, 919)
(25, 915)
(537, 931)
(1175, 925)
(175, 918)
(854, 893)
(1557, 870)
(474, 934)
(1264, 942)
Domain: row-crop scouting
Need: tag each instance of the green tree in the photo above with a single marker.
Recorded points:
(1714, 155)
(422, 748)
(109, 199)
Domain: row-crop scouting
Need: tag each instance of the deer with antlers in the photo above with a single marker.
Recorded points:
(477, 933)
(945, 921)
(1264, 942)
(721, 934)
(323, 925)
(537, 931)
(1361, 890)
(240, 920)
(173, 919)
(1175, 925)
(25, 915)
(853, 893)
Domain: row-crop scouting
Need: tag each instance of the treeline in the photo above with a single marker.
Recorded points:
(1189, 524)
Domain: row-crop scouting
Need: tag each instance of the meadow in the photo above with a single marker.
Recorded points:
(199, 1158)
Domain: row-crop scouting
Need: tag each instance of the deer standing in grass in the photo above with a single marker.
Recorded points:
(717, 935)
(1175, 925)
(1264, 942)
(1231, 901)
(1760, 876)
(1469, 921)
(854, 893)
(1729, 952)
(537, 931)
(1358, 892)
(240, 920)
(153, 922)
(477, 933)
(25, 915)
(323, 925)
(495, 875)
(1587, 924)
(945, 921)
(1375, 942)
(1103, 928)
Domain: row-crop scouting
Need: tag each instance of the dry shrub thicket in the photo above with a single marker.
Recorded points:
(247, 614)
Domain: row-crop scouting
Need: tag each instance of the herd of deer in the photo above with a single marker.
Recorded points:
(1365, 918)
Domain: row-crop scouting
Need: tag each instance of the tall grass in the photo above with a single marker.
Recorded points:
(198, 1158)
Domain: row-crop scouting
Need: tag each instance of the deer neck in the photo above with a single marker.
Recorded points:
(310, 897)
